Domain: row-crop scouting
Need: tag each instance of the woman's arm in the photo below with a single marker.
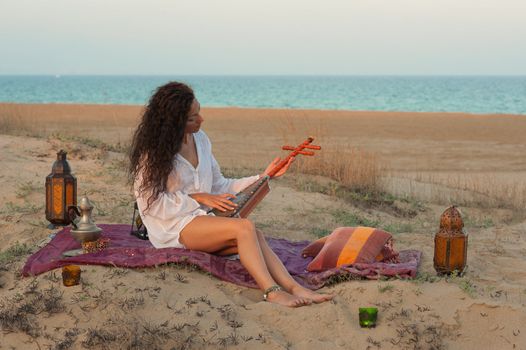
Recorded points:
(273, 164)
(220, 184)
(221, 202)
(167, 205)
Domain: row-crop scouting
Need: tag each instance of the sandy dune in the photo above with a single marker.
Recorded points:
(177, 307)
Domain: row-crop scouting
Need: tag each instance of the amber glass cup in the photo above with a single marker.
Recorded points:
(368, 316)
(71, 275)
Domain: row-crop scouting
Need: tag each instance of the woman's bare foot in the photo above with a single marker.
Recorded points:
(283, 298)
(317, 298)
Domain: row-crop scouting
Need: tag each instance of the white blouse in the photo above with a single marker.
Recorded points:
(174, 208)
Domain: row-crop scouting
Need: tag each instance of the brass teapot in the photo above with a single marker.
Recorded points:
(84, 229)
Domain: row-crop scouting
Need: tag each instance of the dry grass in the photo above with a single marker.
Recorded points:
(90, 125)
(13, 253)
(354, 168)
(14, 122)
(365, 172)
(19, 314)
(474, 190)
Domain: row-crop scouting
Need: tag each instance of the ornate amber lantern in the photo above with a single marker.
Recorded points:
(451, 243)
(61, 191)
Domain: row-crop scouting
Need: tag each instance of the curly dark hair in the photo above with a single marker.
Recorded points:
(158, 137)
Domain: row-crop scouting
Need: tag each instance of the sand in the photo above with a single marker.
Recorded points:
(423, 155)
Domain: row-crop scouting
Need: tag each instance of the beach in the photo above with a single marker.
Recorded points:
(421, 163)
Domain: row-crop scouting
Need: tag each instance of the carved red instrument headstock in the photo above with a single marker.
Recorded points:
(295, 151)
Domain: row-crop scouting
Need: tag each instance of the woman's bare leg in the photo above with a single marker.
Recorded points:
(227, 251)
(283, 277)
(212, 234)
(278, 271)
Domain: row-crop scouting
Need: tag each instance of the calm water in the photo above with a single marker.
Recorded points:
(374, 93)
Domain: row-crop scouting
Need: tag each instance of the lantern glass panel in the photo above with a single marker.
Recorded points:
(61, 191)
(58, 197)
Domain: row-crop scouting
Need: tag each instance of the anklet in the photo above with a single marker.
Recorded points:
(269, 290)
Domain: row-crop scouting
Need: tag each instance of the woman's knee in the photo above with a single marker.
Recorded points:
(245, 227)
(260, 234)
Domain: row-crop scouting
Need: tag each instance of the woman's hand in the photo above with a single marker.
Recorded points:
(273, 164)
(220, 202)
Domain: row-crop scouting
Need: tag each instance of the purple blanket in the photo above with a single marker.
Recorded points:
(126, 250)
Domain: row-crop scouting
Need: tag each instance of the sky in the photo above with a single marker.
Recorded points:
(266, 37)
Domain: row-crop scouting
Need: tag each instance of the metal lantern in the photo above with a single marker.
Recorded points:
(61, 191)
(451, 243)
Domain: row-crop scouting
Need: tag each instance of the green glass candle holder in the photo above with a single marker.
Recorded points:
(368, 316)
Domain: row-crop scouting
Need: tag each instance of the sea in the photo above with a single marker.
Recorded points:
(470, 94)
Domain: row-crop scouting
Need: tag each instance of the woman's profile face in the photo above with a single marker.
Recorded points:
(193, 124)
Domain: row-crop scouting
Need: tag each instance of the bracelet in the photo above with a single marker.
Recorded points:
(269, 290)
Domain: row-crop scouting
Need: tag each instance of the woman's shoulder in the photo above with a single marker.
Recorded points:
(202, 137)
(201, 133)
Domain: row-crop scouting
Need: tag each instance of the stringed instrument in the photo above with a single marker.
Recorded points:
(250, 197)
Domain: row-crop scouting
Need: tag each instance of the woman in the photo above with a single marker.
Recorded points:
(176, 179)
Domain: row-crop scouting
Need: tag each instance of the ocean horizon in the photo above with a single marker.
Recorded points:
(415, 93)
